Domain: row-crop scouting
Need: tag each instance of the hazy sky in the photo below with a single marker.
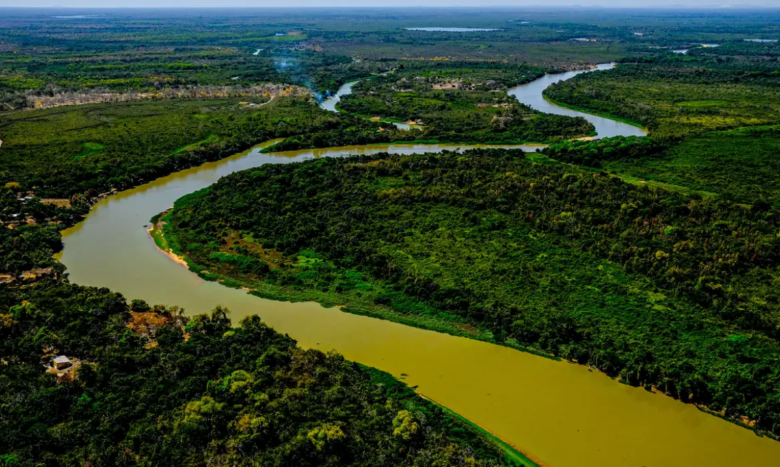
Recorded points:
(389, 3)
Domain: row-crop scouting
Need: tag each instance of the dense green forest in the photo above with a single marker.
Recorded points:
(659, 288)
(93, 148)
(150, 386)
(654, 260)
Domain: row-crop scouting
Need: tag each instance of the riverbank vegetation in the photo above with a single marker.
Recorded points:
(675, 95)
(461, 102)
(713, 114)
(152, 386)
(93, 149)
(659, 288)
(667, 290)
(740, 164)
(597, 153)
(30, 234)
(96, 148)
(155, 388)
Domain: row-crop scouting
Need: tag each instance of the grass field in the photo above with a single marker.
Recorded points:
(741, 164)
(677, 98)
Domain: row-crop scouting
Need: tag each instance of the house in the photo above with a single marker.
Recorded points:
(62, 362)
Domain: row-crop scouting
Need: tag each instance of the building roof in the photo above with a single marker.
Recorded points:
(61, 359)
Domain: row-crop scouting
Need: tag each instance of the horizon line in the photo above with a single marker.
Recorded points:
(406, 7)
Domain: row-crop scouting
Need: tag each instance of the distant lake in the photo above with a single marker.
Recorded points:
(760, 40)
(452, 29)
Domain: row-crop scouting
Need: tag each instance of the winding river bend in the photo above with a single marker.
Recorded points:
(530, 94)
(330, 103)
(559, 413)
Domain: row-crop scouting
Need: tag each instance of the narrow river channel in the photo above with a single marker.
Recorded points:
(559, 413)
(330, 103)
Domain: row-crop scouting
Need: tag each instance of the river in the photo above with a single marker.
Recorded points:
(559, 413)
(530, 94)
(329, 104)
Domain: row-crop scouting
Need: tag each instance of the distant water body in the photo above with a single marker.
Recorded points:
(452, 29)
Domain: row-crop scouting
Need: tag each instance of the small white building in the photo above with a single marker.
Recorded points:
(62, 362)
